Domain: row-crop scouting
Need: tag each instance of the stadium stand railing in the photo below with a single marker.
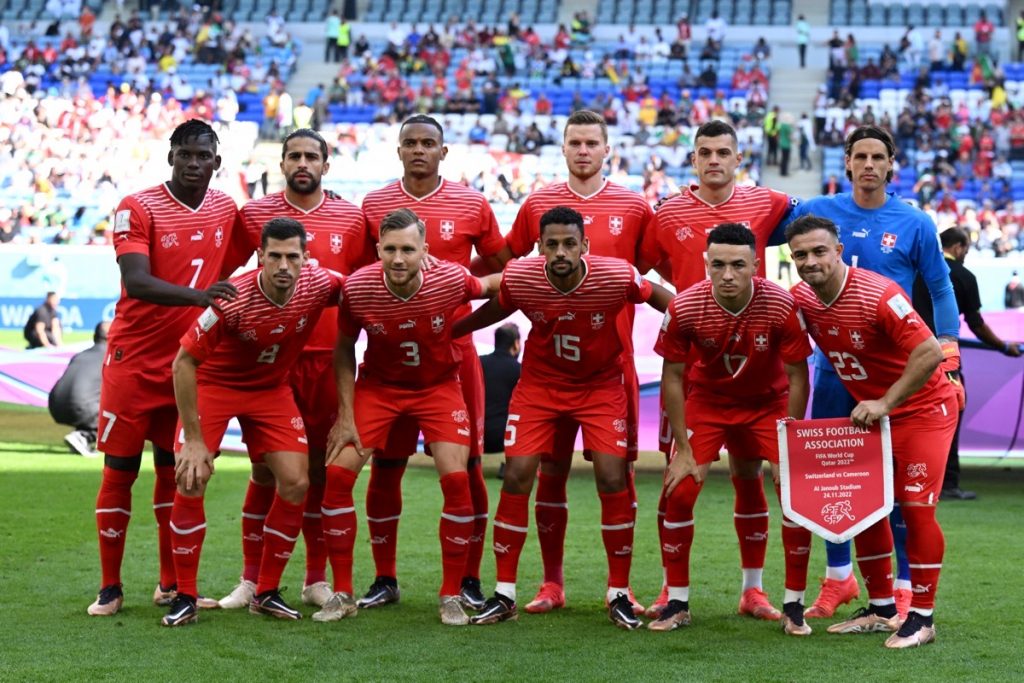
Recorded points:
(900, 14)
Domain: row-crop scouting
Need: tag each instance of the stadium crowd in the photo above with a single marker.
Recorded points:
(957, 119)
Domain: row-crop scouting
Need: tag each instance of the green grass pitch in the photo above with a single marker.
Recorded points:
(49, 573)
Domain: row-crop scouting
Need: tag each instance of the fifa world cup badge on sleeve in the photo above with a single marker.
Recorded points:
(836, 478)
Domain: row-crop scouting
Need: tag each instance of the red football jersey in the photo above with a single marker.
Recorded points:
(186, 247)
(573, 340)
(335, 238)
(457, 217)
(409, 341)
(682, 223)
(615, 219)
(252, 342)
(867, 334)
(734, 356)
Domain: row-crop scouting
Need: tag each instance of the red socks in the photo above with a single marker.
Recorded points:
(258, 500)
(874, 558)
(113, 510)
(281, 530)
(163, 501)
(188, 529)
(339, 523)
(676, 532)
(383, 511)
(617, 534)
(750, 516)
(313, 534)
(478, 493)
(551, 512)
(925, 548)
(455, 530)
(510, 526)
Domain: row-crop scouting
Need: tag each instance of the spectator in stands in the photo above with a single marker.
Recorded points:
(75, 398)
(836, 52)
(831, 186)
(784, 133)
(806, 132)
(983, 30)
(762, 51)
(331, 26)
(803, 37)
(937, 52)
(1013, 295)
(580, 26)
(771, 125)
(43, 328)
(684, 33)
(715, 27)
(959, 52)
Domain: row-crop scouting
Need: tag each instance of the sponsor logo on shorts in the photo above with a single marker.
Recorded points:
(615, 225)
(917, 469)
(914, 488)
(297, 423)
(619, 425)
(460, 416)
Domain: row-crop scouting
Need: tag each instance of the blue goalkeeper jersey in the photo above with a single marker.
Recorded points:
(895, 240)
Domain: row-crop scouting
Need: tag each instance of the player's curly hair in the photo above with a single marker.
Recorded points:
(306, 133)
(874, 133)
(561, 215)
(732, 233)
(193, 128)
(809, 223)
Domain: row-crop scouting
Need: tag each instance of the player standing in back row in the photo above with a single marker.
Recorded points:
(458, 220)
(170, 242)
(335, 239)
(616, 221)
(678, 243)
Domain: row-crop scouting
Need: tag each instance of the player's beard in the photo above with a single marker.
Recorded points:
(303, 187)
(569, 273)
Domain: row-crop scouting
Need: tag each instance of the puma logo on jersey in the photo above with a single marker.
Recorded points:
(568, 315)
(197, 236)
(407, 325)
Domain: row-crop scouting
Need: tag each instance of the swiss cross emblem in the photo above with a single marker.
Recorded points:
(218, 237)
(856, 339)
(335, 243)
(447, 230)
(761, 342)
(301, 325)
(888, 242)
(597, 320)
(437, 323)
(615, 225)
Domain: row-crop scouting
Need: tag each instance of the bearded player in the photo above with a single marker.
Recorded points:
(336, 239)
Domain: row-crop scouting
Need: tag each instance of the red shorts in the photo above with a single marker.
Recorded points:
(404, 438)
(565, 434)
(749, 432)
(920, 446)
(135, 408)
(438, 411)
(316, 395)
(269, 418)
(537, 411)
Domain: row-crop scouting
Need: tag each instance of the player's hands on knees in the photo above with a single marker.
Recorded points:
(681, 466)
(218, 290)
(342, 434)
(866, 413)
(193, 466)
